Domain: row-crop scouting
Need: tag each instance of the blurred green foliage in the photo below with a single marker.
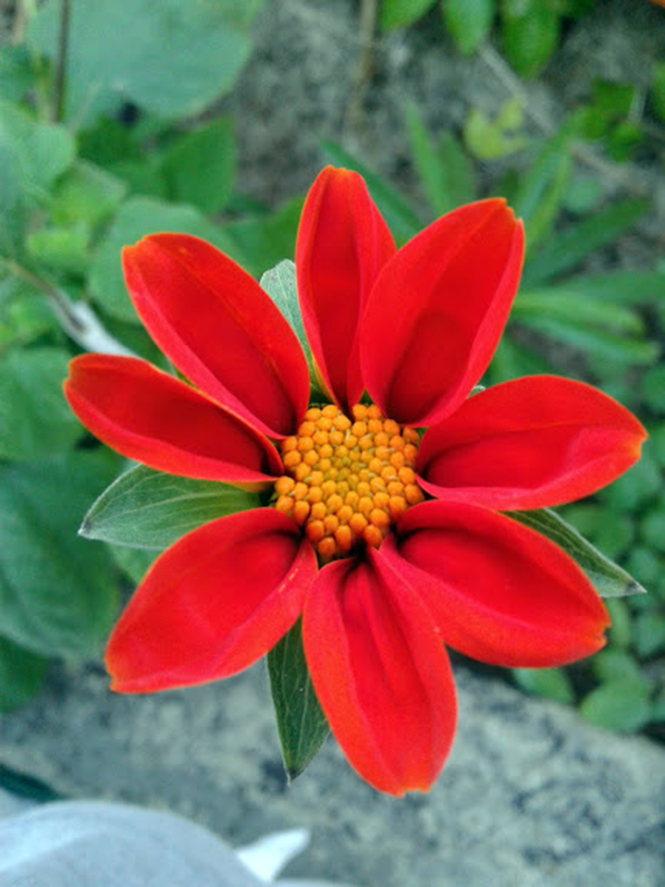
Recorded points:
(125, 150)
(529, 30)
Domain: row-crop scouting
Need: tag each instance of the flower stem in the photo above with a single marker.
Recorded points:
(77, 319)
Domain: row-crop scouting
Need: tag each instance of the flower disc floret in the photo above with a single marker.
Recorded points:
(348, 479)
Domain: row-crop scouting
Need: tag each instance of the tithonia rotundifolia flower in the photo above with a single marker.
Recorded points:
(383, 524)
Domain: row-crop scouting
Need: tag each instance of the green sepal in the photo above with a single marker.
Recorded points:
(608, 578)
(301, 723)
(280, 284)
(150, 509)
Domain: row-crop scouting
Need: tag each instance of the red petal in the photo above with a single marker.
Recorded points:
(213, 603)
(536, 441)
(150, 416)
(498, 591)
(381, 673)
(437, 312)
(219, 328)
(343, 242)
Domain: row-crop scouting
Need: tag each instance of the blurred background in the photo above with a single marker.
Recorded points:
(118, 118)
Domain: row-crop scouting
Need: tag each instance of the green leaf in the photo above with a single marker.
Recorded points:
(26, 316)
(34, 417)
(14, 215)
(595, 343)
(657, 443)
(149, 509)
(168, 57)
(43, 150)
(280, 284)
(639, 485)
(564, 251)
(649, 633)
(645, 564)
(108, 141)
(468, 21)
(583, 193)
(621, 631)
(199, 168)
(610, 102)
(652, 388)
(542, 188)
(570, 306)
(627, 287)
(553, 683)
(137, 217)
(608, 579)
(401, 219)
(529, 34)
(400, 13)
(512, 360)
(491, 138)
(86, 193)
(445, 173)
(652, 528)
(657, 91)
(16, 76)
(58, 595)
(25, 786)
(613, 664)
(265, 240)
(622, 705)
(32, 156)
(61, 249)
(21, 674)
(301, 722)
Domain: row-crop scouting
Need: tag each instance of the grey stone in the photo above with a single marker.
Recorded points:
(531, 795)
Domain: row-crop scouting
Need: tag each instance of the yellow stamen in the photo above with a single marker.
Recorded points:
(347, 479)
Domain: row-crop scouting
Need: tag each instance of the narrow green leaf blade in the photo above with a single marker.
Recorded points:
(608, 579)
(564, 251)
(627, 287)
(542, 189)
(149, 509)
(445, 172)
(596, 343)
(560, 303)
(25, 786)
(400, 13)
(301, 722)
(530, 34)
(469, 22)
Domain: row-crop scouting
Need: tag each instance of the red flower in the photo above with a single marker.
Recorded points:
(389, 548)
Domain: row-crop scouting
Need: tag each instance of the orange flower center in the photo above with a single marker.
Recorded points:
(347, 479)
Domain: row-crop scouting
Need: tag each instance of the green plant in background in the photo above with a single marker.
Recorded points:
(609, 325)
(529, 30)
(76, 183)
(124, 150)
